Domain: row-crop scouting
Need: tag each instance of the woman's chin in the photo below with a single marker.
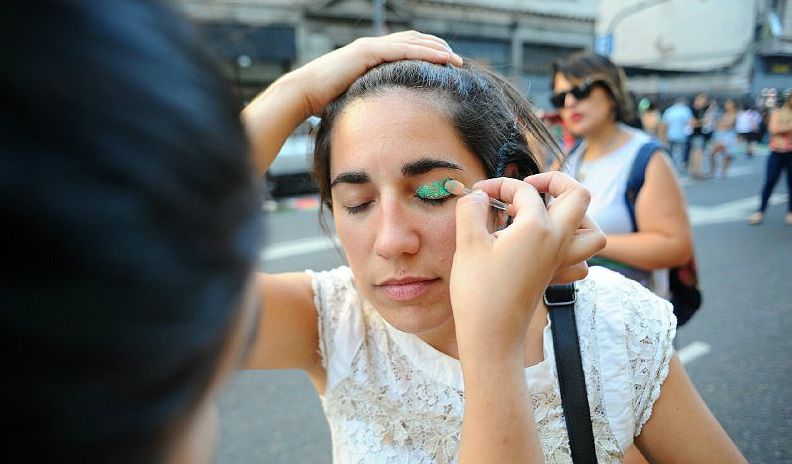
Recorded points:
(416, 320)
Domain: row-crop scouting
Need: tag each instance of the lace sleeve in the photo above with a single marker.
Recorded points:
(335, 299)
(650, 327)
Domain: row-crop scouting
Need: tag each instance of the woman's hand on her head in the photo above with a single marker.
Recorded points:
(273, 114)
(498, 279)
(328, 76)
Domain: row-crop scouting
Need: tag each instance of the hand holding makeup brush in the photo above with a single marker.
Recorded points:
(497, 282)
(497, 279)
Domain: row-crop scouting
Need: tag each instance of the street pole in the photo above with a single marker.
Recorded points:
(378, 17)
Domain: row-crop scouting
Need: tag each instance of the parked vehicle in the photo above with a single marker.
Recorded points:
(290, 173)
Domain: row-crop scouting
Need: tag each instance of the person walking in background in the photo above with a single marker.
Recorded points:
(747, 128)
(780, 129)
(675, 130)
(699, 136)
(723, 139)
(650, 119)
(593, 105)
(590, 92)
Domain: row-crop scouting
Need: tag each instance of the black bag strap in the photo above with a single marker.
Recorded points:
(560, 301)
(635, 180)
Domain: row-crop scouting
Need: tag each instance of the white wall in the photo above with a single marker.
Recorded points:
(574, 8)
(684, 35)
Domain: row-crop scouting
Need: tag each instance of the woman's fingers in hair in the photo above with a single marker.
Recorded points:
(408, 45)
(419, 38)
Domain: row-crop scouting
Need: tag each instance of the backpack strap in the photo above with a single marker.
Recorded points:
(637, 175)
(560, 302)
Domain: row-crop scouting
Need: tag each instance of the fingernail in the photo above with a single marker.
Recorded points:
(455, 187)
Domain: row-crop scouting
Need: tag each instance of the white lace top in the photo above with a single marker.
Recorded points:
(392, 398)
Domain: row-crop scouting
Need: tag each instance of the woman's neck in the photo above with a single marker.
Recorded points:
(443, 339)
(602, 141)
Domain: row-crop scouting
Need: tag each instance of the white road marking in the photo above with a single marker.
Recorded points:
(736, 210)
(693, 351)
(298, 247)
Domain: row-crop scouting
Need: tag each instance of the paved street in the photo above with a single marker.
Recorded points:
(737, 349)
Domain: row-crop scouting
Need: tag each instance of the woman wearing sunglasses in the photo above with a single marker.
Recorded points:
(591, 96)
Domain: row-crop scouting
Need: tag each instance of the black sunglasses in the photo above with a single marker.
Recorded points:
(580, 92)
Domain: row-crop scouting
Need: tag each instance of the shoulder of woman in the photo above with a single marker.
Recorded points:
(635, 331)
(624, 301)
(341, 327)
(331, 288)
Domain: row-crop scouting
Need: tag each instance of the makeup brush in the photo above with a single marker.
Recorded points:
(458, 188)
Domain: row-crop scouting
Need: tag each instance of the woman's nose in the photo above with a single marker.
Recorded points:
(569, 100)
(396, 232)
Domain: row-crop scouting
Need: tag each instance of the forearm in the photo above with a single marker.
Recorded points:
(498, 424)
(647, 250)
(272, 116)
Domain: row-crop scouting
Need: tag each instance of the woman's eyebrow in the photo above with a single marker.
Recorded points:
(424, 165)
(351, 177)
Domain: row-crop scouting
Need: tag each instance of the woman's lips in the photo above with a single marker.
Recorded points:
(406, 290)
(576, 117)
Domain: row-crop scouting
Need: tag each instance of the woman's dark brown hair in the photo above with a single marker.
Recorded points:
(136, 226)
(583, 66)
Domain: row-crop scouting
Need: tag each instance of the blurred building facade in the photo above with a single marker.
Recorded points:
(727, 47)
(668, 47)
(258, 40)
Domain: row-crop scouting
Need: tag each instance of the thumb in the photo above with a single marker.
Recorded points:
(472, 213)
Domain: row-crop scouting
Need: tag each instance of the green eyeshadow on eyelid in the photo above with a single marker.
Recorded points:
(434, 190)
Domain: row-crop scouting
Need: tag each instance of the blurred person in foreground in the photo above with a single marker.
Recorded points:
(780, 130)
(127, 183)
(675, 131)
(133, 220)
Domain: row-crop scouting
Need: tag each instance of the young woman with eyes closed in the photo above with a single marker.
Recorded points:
(433, 344)
(120, 326)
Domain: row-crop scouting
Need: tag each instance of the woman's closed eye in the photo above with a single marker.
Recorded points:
(358, 208)
(433, 201)
(433, 193)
